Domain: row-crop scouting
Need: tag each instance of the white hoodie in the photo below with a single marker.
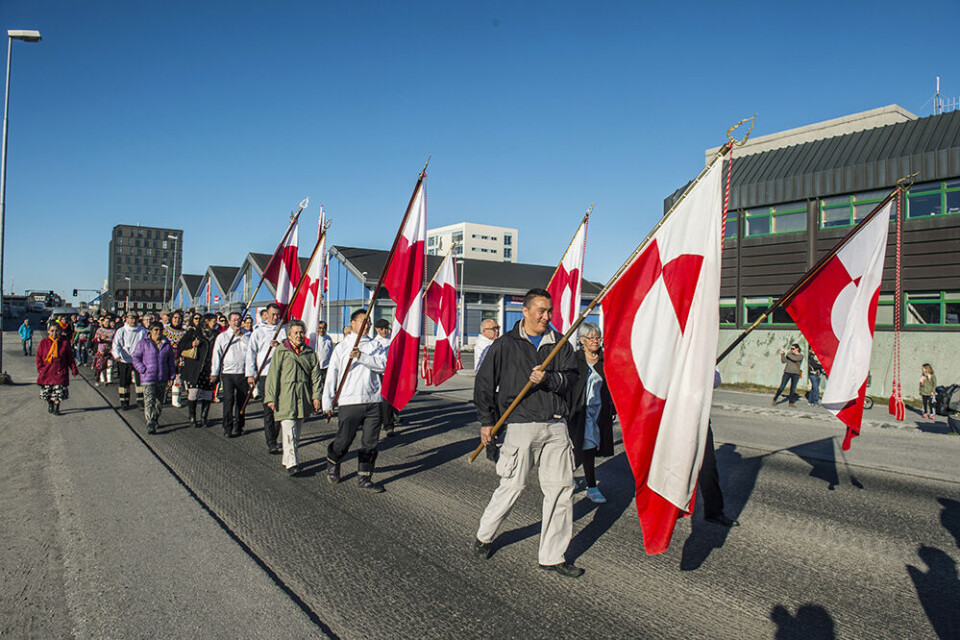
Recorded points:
(232, 361)
(363, 384)
(259, 345)
(125, 341)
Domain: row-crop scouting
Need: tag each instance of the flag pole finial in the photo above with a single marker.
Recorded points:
(746, 136)
(425, 165)
(907, 181)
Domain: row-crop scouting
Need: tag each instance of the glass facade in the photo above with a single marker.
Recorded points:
(790, 217)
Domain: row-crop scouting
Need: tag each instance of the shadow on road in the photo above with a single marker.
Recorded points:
(811, 622)
(938, 589)
(820, 454)
(739, 474)
(618, 488)
(950, 517)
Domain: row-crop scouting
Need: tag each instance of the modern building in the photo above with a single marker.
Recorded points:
(213, 289)
(144, 266)
(489, 289)
(474, 242)
(795, 194)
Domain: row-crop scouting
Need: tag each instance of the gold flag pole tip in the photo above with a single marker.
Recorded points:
(746, 136)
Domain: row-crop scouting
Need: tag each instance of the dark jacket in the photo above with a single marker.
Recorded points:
(814, 368)
(578, 413)
(155, 365)
(508, 364)
(57, 371)
(194, 369)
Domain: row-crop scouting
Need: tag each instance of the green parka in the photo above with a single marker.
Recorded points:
(293, 383)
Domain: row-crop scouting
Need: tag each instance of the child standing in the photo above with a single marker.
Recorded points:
(928, 383)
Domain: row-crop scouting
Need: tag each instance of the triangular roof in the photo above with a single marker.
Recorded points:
(191, 282)
(222, 274)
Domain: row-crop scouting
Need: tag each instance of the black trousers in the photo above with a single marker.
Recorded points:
(125, 375)
(271, 430)
(353, 418)
(235, 387)
(709, 480)
(388, 415)
(792, 378)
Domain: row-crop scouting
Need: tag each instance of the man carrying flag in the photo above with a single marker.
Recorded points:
(537, 431)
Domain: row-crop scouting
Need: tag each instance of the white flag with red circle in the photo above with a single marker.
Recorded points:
(837, 312)
(307, 305)
(565, 286)
(404, 282)
(441, 307)
(284, 269)
(662, 327)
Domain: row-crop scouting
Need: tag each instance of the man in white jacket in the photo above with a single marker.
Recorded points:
(359, 402)
(124, 342)
(262, 344)
(229, 363)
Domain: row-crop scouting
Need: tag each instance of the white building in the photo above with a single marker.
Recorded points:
(474, 241)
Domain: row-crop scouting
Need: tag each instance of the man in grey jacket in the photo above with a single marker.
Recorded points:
(124, 342)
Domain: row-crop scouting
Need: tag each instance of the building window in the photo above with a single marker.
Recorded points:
(941, 308)
(508, 253)
(753, 309)
(782, 218)
(494, 238)
(730, 226)
(457, 236)
(507, 240)
(728, 311)
(933, 199)
(845, 211)
(459, 250)
(431, 241)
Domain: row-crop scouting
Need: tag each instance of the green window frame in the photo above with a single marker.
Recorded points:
(932, 199)
(790, 217)
(847, 210)
(728, 312)
(932, 309)
(754, 306)
(730, 226)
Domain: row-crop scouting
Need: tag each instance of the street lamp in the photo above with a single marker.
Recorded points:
(176, 246)
(26, 36)
(166, 272)
(127, 309)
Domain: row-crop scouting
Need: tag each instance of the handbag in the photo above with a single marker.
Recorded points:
(190, 354)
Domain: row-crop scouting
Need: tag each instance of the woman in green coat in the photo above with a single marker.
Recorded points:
(292, 390)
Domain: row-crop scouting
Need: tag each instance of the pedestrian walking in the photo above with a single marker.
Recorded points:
(103, 353)
(814, 371)
(928, 386)
(358, 404)
(592, 410)
(536, 429)
(196, 358)
(292, 390)
(26, 337)
(124, 342)
(174, 333)
(263, 341)
(388, 414)
(54, 365)
(153, 360)
(791, 373)
(489, 331)
(229, 361)
(82, 334)
(324, 349)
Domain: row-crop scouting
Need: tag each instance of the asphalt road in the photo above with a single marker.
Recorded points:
(861, 545)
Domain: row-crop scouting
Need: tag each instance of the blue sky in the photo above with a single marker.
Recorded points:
(219, 117)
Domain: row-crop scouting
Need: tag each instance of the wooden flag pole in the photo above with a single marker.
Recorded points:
(585, 218)
(383, 274)
(293, 220)
(286, 313)
(816, 269)
(721, 152)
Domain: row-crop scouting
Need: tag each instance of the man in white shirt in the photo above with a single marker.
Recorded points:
(489, 331)
(388, 415)
(324, 349)
(359, 403)
(262, 344)
(229, 362)
(124, 342)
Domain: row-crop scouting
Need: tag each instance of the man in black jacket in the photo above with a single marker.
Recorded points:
(537, 432)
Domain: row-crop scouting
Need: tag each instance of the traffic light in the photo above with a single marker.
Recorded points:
(74, 293)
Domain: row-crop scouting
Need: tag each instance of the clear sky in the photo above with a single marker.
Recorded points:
(219, 117)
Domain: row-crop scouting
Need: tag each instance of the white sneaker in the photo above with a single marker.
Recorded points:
(595, 496)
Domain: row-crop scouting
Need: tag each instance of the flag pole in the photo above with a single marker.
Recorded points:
(293, 220)
(585, 218)
(787, 297)
(383, 274)
(721, 152)
(449, 251)
(286, 313)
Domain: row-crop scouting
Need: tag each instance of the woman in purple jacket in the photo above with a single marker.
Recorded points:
(153, 360)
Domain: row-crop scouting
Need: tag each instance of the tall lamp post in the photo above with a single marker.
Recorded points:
(166, 272)
(127, 308)
(26, 36)
(176, 246)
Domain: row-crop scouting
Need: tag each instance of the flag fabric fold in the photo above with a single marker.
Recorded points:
(565, 287)
(662, 329)
(306, 307)
(836, 311)
(441, 307)
(404, 282)
(284, 269)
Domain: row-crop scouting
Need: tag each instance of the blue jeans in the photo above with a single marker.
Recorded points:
(814, 395)
(27, 346)
(792, 379)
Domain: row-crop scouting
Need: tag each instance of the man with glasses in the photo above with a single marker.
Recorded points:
(489, 331)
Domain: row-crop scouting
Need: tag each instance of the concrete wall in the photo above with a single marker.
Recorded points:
(757, 359)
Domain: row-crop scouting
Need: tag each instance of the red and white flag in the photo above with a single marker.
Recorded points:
(441, 307)
(837, 311)
(284, 269)
(565, 286)
(307, 305)
(661, 340)
(404, 282)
